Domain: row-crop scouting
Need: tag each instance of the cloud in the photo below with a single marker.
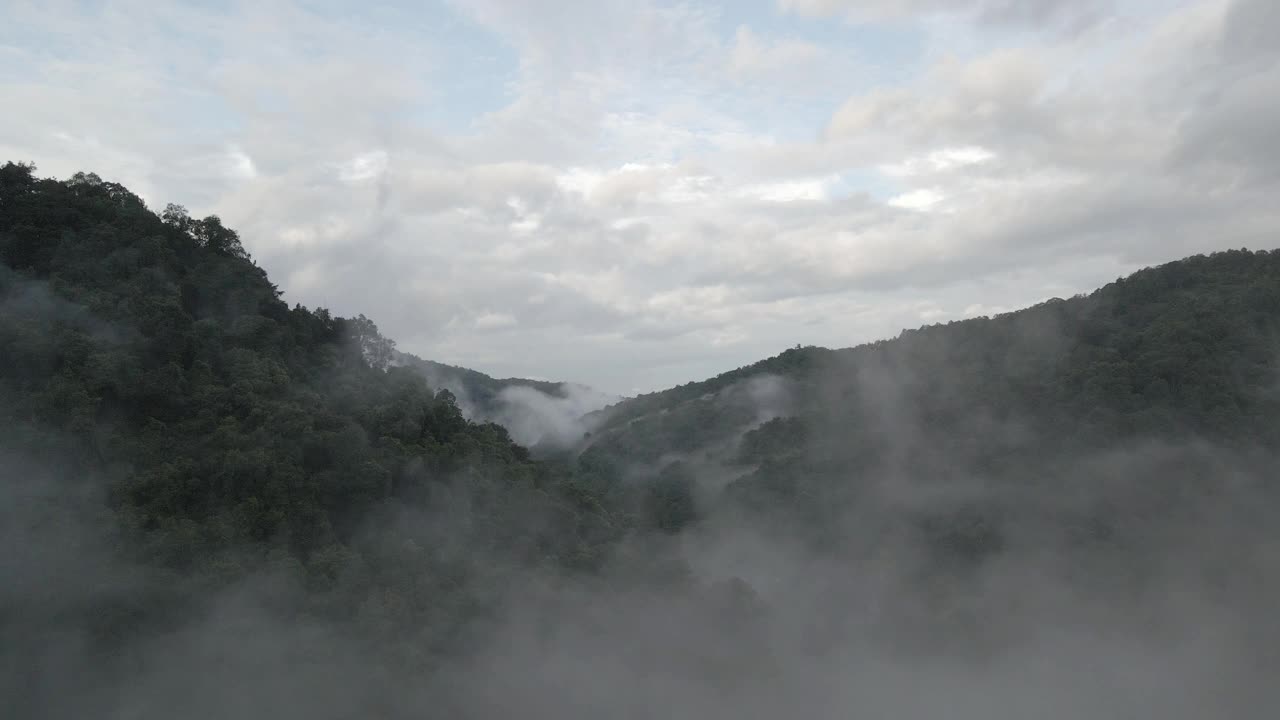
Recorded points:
(922, 199)
(491, 321)
(535, 418)
(753, 55)
(364, 166)
(938, 161)
(781, 177)
(1075, 14)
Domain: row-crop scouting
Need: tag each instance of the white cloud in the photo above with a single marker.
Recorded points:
(493, 321)
(671, 191)
(1073, 14)
(938, 161)
(753, 55)
(238, 165)
(922, 199)
(804, 189)
(365, 166)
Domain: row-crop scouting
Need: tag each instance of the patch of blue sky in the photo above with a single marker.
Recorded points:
(468, 72)
(870, 56)
(58, 53)
(875, 184)
(893, 50)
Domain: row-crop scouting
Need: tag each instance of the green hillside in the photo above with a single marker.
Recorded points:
(1187, 348)
(193, 471)
(149, 365)
(482, 390)
(1171, 372)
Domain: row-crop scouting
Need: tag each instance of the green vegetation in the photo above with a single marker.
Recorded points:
(155, 386)
(483, 391)
(232, 433)
(1179, 361)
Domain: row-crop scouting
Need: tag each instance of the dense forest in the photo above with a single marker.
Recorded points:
(150, 365)
(210, 489)
(1178, 360)
(1180, 354)
(541, 415)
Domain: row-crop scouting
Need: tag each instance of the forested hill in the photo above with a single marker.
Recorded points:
(1187, 348)
(218, 505)
(149, 366)
(1141, 401)
(542, 415)
(483, 390)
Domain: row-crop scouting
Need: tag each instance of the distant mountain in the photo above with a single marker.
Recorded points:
(537, 413)
(1167, 377)
(1193, 342)
(480, 389)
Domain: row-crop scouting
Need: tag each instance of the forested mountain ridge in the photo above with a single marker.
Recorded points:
(484, 389)
(146, 363)
(1190, 346)
(542, 415)
(204, 488)
(1089, 423)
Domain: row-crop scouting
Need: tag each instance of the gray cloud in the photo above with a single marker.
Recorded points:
(1071, 14)
(634, 196)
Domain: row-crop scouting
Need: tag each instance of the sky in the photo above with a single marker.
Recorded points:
(635, 194)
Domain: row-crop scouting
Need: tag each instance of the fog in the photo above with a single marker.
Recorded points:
(1172, 619)
(744, 615)
(534, 417)
(920, 580)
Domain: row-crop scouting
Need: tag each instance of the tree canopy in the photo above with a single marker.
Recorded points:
(156, 388)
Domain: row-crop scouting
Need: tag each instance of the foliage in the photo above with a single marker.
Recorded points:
(232, 432)
(234, 436)
(1174, 359)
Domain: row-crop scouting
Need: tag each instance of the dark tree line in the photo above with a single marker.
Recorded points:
(1091, 415)
(231, 432)
(230, 436)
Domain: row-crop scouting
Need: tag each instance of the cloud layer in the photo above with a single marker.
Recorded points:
(635, 194)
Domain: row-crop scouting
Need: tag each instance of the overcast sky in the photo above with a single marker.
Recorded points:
(635, 194)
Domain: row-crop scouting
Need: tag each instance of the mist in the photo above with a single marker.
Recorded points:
(535, 418)
(745, 615)
(214, 504)
(537, 414)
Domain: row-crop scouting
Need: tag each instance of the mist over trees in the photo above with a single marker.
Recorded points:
(219, 505)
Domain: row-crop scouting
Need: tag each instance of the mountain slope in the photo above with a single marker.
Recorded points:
(1138, 398)
(202, 488)
(147, 362)
(480, 389)
(1190, 346)
(538, 414)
